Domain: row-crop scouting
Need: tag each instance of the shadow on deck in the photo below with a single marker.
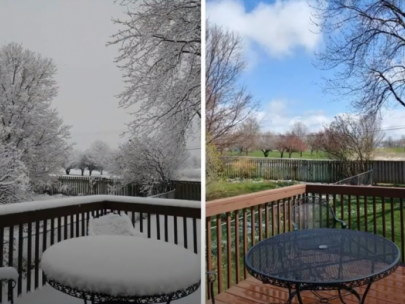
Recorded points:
(251, 291)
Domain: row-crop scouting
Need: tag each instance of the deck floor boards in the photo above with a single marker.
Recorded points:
(390, 290)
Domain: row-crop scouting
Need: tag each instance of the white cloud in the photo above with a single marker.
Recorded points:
(278, 118)
(278, 28)
(394, 119)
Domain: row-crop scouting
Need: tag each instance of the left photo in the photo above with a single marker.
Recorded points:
(100, 152)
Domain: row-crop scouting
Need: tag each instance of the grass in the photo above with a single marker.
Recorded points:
(223, 188)
(276, 154)
(392, 150)
(320, 155)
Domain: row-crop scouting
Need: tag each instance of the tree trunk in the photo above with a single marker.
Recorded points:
(289, 154)
(82, 171)
(281, 154)
(300, 153)
(90, 171)
(67, 171)
(266, 153)
(101, 172)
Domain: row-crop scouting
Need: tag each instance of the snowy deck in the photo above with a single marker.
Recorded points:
(177, 223)
(48, 295)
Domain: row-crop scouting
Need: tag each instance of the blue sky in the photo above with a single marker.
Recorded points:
(280, 43)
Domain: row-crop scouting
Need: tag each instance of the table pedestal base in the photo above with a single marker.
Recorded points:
(297, 293)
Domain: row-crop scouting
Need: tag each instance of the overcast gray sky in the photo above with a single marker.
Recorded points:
(74, 34)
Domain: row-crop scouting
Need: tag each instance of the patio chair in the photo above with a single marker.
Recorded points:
(112, 224)
(212, 276)
(314, 212)
(10, 275)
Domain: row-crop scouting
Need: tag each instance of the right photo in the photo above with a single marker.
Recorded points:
(305, 151)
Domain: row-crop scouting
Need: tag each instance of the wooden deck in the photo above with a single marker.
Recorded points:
(251, 291)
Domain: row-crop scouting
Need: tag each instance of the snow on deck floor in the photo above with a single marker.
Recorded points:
(180, 237)
(49, 295)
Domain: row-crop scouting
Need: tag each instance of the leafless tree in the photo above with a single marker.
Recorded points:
(314, 141)
(280, 144)
(293, 143)
(402, 142)
(300, 130)
(365, 46)
(227, 103)
(266, 142)
(160, 50)
(248, 135)
(350, 138)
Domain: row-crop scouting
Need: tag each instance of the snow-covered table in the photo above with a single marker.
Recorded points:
(123, 269)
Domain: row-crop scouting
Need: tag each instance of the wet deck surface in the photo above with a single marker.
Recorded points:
(251, 291)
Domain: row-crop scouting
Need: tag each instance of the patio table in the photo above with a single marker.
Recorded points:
(121, 269)
(323, 259)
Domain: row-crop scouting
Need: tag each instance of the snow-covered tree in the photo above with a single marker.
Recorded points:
(146, 161)
(14, 182)
(27, 120)
(160, 50)
(99, 153)
(84, 162)
(81, 162)
(70, 160)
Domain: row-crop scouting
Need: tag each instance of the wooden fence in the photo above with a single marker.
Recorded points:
(85, 185)
(317, 171)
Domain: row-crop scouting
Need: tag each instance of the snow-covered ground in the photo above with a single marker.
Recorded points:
(191, 174)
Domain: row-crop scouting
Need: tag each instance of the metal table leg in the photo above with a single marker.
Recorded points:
(170, 299)
(297, 292)
(292, 294)
(363, 300)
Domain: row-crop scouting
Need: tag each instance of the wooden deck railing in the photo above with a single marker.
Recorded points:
(235, 224)
(25, 235)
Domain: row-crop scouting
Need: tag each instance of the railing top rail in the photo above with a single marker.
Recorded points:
(357, 190)
(236, 157)
(83, 200)
(230, 204)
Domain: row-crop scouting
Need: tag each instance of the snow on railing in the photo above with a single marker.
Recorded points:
(82, 200)
(27, 229)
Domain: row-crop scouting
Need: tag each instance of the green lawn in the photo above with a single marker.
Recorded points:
(222, 188)
(276, 154)
(399, 152)
(392, 150)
